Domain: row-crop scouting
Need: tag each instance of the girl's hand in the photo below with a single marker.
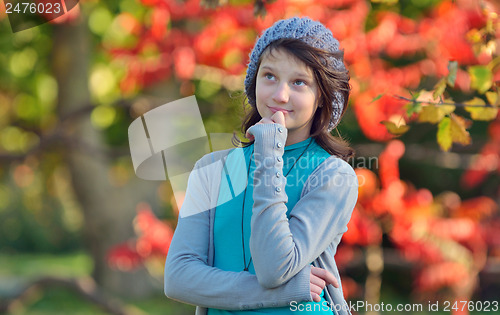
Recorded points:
(319, 279)
(278, 118)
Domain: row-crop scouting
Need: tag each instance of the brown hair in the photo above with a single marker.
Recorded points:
(328, 80)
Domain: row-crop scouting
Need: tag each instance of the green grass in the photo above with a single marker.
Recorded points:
(59, 301)
(35, 265)
(55, 301)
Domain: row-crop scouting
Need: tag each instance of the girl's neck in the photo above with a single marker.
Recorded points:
(296, 136)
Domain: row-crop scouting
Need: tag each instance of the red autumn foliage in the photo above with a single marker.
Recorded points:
(223, 38)
(153, 241)
(362, 230)
(443, 236)
(488, 160)
(124, 257)
(184, 62)
(435, 276)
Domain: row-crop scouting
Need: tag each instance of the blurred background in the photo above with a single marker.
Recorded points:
(81, 234)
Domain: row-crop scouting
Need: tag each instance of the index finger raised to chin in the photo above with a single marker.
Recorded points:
(279, 118)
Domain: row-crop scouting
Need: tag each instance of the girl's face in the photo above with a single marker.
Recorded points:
(286, 84)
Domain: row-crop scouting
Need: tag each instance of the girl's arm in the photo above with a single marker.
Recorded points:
(189, 278)
(282, 247)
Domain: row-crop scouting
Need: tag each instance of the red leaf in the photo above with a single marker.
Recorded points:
(124, 257)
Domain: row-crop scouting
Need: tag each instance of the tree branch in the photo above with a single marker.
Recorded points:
(440, 103)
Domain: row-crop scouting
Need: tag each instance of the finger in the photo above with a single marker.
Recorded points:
(267, 120)
(330, 278)
(315, 289)
(324, 274)
(315, 293)
(264, 120)
(248, 134)
(279, 118)
(315, 297)
(317, 281)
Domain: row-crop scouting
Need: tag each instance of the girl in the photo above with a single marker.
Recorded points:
(260, 224)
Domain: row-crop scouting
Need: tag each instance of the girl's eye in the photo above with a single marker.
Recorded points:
(269, 76)
(300, 83)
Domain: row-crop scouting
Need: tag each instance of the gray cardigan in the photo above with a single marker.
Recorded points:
(282, 249)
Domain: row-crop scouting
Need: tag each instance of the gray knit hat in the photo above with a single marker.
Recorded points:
(311, 32)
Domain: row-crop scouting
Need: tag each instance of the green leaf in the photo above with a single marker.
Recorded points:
(480, 111)
(458, 131)
(493, 98)
(413, 108)
(494, 64)
(452, 75)
(395, 129)
(443, 134)
(431, 114)
(416, 95)
(481, 78)
(439, 89)
(376, 98)
(447, 109)
(452, 130)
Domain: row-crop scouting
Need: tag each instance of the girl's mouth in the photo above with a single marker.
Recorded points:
(277, 109)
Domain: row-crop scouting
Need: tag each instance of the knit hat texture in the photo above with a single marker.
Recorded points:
(311, 32)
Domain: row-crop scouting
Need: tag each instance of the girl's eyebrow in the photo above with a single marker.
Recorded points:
(268, 68)
(297, 73)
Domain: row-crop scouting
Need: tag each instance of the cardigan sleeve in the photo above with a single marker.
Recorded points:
(189, 278)
(282, 247)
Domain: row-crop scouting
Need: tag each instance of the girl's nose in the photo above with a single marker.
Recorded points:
(281, 94)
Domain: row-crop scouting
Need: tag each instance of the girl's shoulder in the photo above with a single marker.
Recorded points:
(339, 165)
(331, 162)
(332, 172)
